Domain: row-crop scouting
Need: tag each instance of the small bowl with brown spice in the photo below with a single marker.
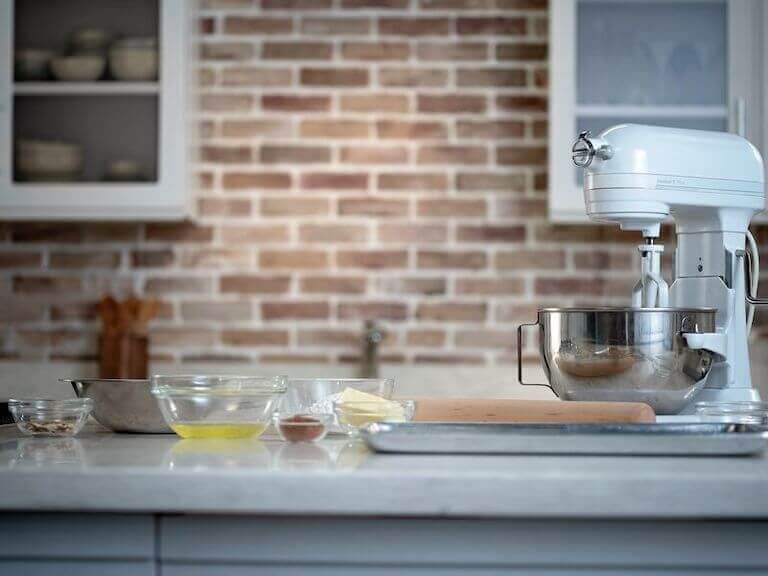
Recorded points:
(50, 417)
(302, 427)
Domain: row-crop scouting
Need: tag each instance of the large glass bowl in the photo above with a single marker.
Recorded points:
(218, 406)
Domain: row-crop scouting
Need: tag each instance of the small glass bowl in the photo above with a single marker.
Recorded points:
(352, 416)
(733, 412)
(302, 427)
(60, 418)
(218, 406)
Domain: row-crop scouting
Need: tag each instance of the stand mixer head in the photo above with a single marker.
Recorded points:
(711, 184)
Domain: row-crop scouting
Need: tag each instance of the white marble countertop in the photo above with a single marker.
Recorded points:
(100, 471)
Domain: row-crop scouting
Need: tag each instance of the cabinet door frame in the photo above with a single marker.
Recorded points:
(168, 198)
(747, 62)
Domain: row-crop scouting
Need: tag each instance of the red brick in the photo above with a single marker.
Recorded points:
(413, 285)
(449, 359)
(539, 128)
(578, 233)
(152, 258)
(491, 25)
(217, 258)
(218, 358)
(232, 207)
(226, 154)
(411, 130)
(373, 102)
(80, 260)
(46, 284)
(296, 4)
(332, 233)
(451, 311)
(178, 232)
(274, 154)
(375, 51)
(568, 286)
(215, 311)
(226, 102)
(332, 285)
(412, 233)
(44, 233)
(295, 206)
(180, 284)
(293, 259)
(490, 286)
(522, 4)
(297, 51)
(452, 155)
(439, 259)
(249, 76)
(457, 4)
(412, 27)
(517, 313)
(256, 234)
(485, 339)
(521, 103)
(372, 311)
(540, 182)
(217, 4)
(413, 181)
(329, 338)
(452, 51)
(250, 284)
(334, 129)
(335, 26)
(531, 260)
(287, 103)
(302, 310)
(294, 359)
(602, 261)
(491, 77)
(260, 127)
(373, 206)
(449, 207)
(521, 208)
(413, 77)
(490, 129)
(20, 259)
(451, 103)
(256, 181)
(335, 77)
(521, 51)
(334, 181)
(227, 50)
(426, 338)
(257, 25)
(372, 259)
(491, 233)
(521, 156)
(206, 77)
(66, 311)
(541, 27)
(206, 26)
(375, 4)
(254, 337)
(374, 155)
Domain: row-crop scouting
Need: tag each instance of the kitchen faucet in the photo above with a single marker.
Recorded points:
(369, 359)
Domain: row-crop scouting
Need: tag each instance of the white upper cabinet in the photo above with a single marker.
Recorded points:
(682, 63)
(80, 142)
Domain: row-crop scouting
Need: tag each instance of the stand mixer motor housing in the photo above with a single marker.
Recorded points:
(711, 184)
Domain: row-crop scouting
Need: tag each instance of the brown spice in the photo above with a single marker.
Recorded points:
(52, 428)
(301, 428)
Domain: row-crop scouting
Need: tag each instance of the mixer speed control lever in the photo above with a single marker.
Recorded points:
(586, 148)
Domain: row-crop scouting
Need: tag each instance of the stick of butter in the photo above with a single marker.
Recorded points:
(361, 408)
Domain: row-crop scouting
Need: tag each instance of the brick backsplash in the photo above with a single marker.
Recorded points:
(359, 159)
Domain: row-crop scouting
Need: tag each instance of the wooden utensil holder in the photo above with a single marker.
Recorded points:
(123, 355)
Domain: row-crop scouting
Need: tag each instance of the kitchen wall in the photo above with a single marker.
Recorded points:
(360, 159)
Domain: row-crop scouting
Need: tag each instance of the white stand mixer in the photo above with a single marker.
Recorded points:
(711, 183)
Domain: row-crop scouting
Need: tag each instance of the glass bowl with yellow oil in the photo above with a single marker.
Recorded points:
(202, 406)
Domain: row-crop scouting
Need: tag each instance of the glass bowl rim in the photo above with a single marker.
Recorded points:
(75, 405)
(217, 385)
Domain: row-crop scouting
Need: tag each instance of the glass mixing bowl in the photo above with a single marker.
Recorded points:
(50, 417)
(200, 406)
(733, 412)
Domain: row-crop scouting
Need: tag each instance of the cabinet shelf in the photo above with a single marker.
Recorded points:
(611, 110)
(104, 88)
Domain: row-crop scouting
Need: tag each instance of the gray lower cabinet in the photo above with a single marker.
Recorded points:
(76, 568)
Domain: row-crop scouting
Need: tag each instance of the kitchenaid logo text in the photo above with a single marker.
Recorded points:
(667, 181)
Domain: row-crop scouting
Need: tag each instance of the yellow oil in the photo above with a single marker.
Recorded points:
(243, 430)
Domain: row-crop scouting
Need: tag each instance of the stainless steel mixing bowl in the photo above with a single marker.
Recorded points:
(123, 405)
(623, 354)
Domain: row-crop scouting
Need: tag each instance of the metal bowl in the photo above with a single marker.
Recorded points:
(123, 405)
(624, 354)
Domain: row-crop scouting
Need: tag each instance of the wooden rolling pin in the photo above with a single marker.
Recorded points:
(504, 410)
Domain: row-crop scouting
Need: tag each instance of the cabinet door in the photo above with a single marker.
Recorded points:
(685, 64)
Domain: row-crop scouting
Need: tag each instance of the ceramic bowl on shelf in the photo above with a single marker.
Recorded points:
(124, 171)
(48, 160)
(78, 68)
(90, 40)
(31, 64)
(134, 60)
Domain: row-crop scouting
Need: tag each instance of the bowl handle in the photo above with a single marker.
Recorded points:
(520, 356)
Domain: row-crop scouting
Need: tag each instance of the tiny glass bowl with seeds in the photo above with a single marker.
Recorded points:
(50, 417)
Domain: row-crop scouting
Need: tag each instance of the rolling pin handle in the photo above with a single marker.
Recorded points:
(520, 355)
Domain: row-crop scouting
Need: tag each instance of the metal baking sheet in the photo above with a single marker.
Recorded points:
(679, 439)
